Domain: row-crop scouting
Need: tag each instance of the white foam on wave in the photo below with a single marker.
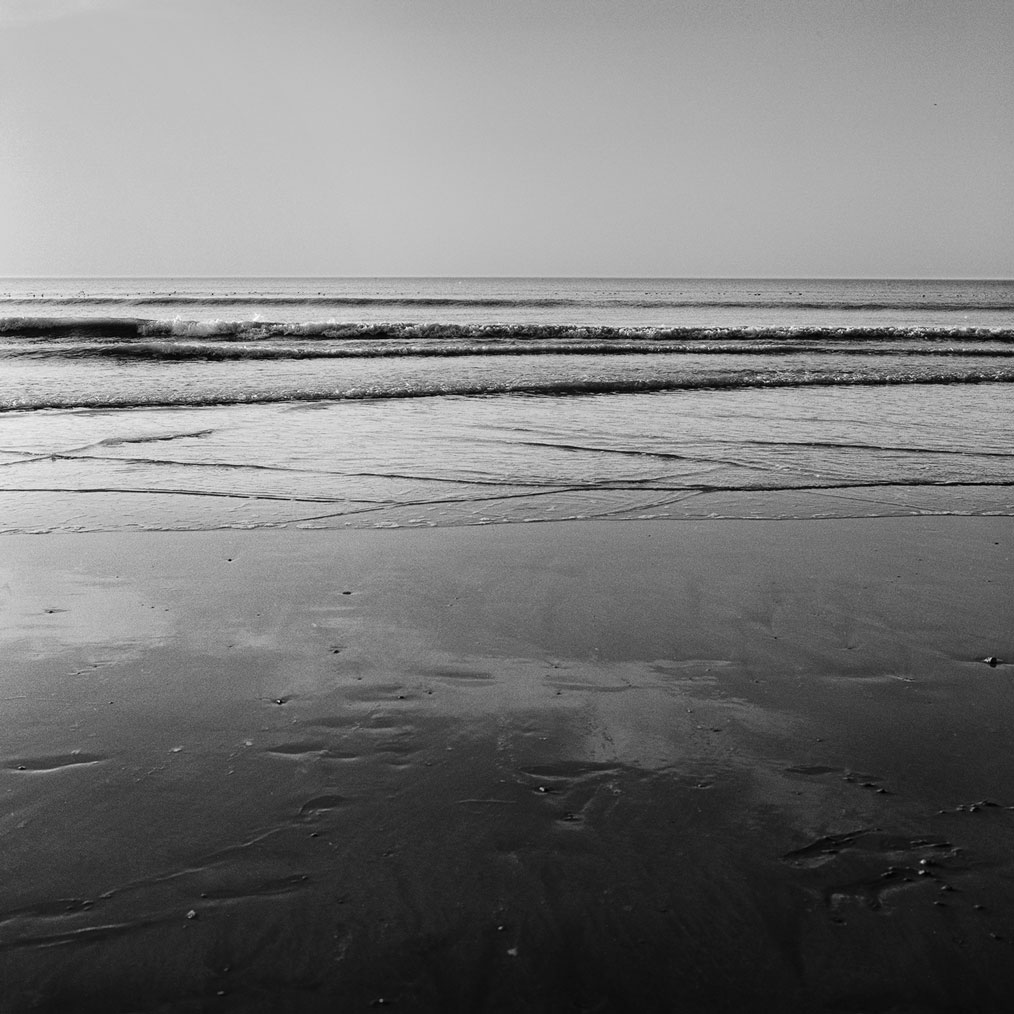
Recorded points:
(112, 328)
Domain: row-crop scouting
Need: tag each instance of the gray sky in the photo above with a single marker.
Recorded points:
(516, 137)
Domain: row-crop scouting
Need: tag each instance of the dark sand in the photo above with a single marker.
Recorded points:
(698, 766)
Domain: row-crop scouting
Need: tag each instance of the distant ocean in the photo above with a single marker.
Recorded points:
(327, 402)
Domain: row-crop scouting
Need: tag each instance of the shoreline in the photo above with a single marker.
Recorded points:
(701, 766)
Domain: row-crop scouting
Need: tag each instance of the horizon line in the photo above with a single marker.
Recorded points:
(696, 278)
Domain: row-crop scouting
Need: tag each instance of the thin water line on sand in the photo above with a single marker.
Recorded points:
(666, 455)
(605, 485)
(861, 484)
(833, 445)
(689, 494)
(241, 466)
(32, 457)
(402, 504)
(688, 491)
(833, 494)
(150, 491)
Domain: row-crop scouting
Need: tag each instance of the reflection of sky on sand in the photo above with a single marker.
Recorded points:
(217, 656)
(666, 668)
(67, 611)
(630, 746)
(632, 713)
(336, 627)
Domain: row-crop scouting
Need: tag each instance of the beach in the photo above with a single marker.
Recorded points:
(506, 508)
(673, 765)
(495, 645)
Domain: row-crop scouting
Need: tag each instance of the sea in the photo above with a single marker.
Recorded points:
(242, 403)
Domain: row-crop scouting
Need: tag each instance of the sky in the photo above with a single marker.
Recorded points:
(758, 138)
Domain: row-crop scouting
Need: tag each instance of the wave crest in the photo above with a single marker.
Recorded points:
(114, 329)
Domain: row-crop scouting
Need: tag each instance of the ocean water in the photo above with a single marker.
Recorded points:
(214, 403)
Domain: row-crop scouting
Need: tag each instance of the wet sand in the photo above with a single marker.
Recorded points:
(695, 766)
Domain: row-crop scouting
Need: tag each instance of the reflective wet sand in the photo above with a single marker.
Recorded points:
(645, 766)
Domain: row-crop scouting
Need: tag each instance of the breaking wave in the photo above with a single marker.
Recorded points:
(120, 329)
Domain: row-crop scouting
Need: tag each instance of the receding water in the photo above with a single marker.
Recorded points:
(164, 404)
